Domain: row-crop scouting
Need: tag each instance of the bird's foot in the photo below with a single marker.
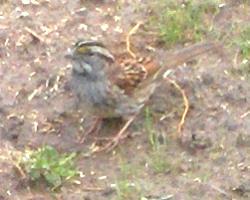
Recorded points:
(122, 134)
(95, 127)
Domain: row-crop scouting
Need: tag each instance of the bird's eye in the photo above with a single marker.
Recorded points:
(91, 53)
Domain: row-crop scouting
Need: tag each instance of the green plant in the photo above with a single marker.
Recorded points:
(159, 161)
(127, 189)
(46, 163)
(149, 125)
(243, 70)
(128, 170)
(182, 22)
(243, 42)
(127, 186)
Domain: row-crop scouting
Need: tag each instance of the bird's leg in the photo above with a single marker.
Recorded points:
(95, 127)
(119, 136)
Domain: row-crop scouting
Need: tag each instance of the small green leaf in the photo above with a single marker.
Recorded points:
(46, 162)
(53, 179)
(35, 174)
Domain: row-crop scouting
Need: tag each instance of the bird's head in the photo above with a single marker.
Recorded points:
(87, 54)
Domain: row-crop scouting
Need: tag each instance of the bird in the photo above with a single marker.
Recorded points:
(107, 86)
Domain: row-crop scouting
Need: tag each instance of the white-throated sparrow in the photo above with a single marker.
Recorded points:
(110, 87)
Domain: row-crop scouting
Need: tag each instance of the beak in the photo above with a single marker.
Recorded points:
(68, 54)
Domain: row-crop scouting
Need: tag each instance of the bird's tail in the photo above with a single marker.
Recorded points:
(190, 52)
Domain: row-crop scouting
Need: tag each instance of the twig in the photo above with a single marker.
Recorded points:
(93, 189)
(19, 169)
(235, 60)
(186, 104)
(34, 34)
(219, 190)
(36, 92)
(132, 32)
(245, 114)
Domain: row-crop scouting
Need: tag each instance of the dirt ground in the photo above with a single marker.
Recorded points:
(211, 162)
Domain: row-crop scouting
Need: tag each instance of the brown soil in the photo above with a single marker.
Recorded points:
(211, 162)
